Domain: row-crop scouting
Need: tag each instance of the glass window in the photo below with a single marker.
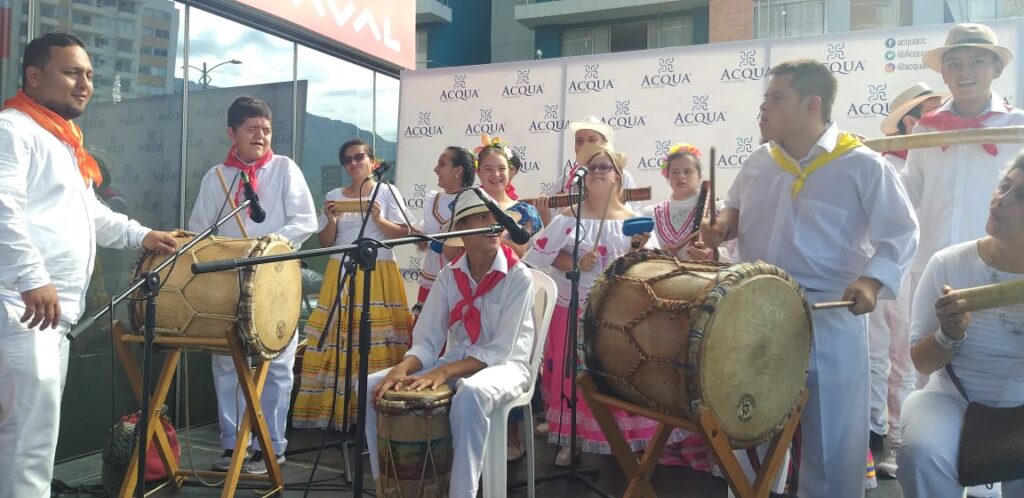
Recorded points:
(586, 41)
(874, 14)
(672, 32)
(776, 19)
(629, 36)
(421, 48)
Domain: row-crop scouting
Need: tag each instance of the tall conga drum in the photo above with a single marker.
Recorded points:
(676, 335)
(414, 443)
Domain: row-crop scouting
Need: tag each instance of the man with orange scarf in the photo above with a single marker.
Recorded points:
(290, 213)
(50, 223)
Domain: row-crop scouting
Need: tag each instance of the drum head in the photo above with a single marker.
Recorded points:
(426, 395)
(752, 344)
(276, 298)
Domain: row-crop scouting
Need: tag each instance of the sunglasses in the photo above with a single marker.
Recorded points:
(601, 168)
(353, 158)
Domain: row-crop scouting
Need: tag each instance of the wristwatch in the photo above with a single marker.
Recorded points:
(948, 343)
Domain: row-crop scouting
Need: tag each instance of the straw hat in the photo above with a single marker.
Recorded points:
(588, 151)
(968, 34)
(593, 123)
(469, 204)
(904, 102)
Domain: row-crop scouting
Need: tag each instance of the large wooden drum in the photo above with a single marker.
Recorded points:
(260, 303)
(414, 443)
(677, 335)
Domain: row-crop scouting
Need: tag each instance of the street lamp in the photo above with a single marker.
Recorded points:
(205, 78)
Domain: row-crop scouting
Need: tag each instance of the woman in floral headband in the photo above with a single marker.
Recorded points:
(674, 218)
(494, 160)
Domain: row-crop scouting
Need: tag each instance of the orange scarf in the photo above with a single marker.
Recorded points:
(61, 128)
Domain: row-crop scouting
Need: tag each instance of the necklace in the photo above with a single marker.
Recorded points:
(1004, 320)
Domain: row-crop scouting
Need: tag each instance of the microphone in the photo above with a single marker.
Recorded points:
(517, 233)
(381, 169)
(256, 213)
(581, 171)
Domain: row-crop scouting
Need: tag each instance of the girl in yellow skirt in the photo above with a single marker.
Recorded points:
(390, 319)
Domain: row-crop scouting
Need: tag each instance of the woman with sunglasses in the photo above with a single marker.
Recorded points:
(603, 215)
(321, 393)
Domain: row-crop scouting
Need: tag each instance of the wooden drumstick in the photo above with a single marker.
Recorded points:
(231, 199)
(993, 295)
(827, 305)
(712, 207)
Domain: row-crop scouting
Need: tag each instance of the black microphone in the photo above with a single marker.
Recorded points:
(379, 172)
(518, 234)
(256, 213)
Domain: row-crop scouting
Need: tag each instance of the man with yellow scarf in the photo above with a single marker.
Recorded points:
(833, 214)
(50, 224)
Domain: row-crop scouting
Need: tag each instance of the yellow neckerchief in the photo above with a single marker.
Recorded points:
(844, 143)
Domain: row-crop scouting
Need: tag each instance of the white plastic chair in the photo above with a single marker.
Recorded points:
(495, 465)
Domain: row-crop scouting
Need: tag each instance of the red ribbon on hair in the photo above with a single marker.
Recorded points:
(465, 310)
(234, 161)
(948, 120)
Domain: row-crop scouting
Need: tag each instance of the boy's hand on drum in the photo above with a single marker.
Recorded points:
(698, 252)
(430, 380)
(395, 379)
(864, 293)
(159, 242)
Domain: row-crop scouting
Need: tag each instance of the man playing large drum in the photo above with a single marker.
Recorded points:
(833, 214)
(291, 214)
(478, 315)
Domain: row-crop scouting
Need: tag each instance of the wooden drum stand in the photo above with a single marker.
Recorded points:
(251, 385)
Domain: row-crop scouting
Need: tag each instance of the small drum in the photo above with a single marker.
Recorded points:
(677, 335)
(414, 443)
(260, 303)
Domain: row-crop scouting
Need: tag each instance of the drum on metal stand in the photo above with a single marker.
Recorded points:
(676, 335)
(260, 303)
(414, 443)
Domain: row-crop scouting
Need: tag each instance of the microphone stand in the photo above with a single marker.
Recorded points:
(364, 251)
(150, 284)
(573, 473)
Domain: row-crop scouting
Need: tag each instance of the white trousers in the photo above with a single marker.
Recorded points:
(275, 398)
(893, 376)
(476, 397)
(33, 367)
(927, 459)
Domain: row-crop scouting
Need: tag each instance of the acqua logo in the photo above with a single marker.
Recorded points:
(666, 75)
(651, 161)
(423, 128)
(411, 273)
(551, 122)
(485, 125)
(837, 62)
(700, 114)
(418, 196)
(746, 70)
(522, 87)
(874, 107)
(459, 92)
(744, 146)
(623, 119)
(528, 165)
(592, 81)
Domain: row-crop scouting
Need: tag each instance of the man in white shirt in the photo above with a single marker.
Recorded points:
(950, 186)
(50, 224)
(892, 372)
(478, 315)
(290, 213)
(833, 214)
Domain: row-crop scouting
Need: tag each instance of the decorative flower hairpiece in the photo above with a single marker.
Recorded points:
(486, 142)
(679, 148)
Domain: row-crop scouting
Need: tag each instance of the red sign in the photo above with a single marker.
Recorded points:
(385, 29)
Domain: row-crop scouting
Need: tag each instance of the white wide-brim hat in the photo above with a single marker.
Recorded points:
(968, 34)
(906, 101)
(593, 123)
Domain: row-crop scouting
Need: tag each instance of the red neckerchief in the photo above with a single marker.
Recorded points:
(897, 153)
(948, 120)
(250, 169)
(464, 309)
(511, 192)
(569, 177)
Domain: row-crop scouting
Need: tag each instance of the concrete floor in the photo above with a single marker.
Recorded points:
(204, 448)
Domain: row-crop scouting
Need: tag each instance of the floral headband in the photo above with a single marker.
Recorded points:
(486, 142)
(678, 149)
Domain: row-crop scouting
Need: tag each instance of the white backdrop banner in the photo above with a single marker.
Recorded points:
(707, 95)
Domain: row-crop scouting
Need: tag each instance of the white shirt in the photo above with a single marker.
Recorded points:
(897, 162)
(506, 322)
(672, 222)
(50, 221)
(851, 219)
(951, 189)
(283, 194)
(392, 206)
(990, 363)
(436, 213)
